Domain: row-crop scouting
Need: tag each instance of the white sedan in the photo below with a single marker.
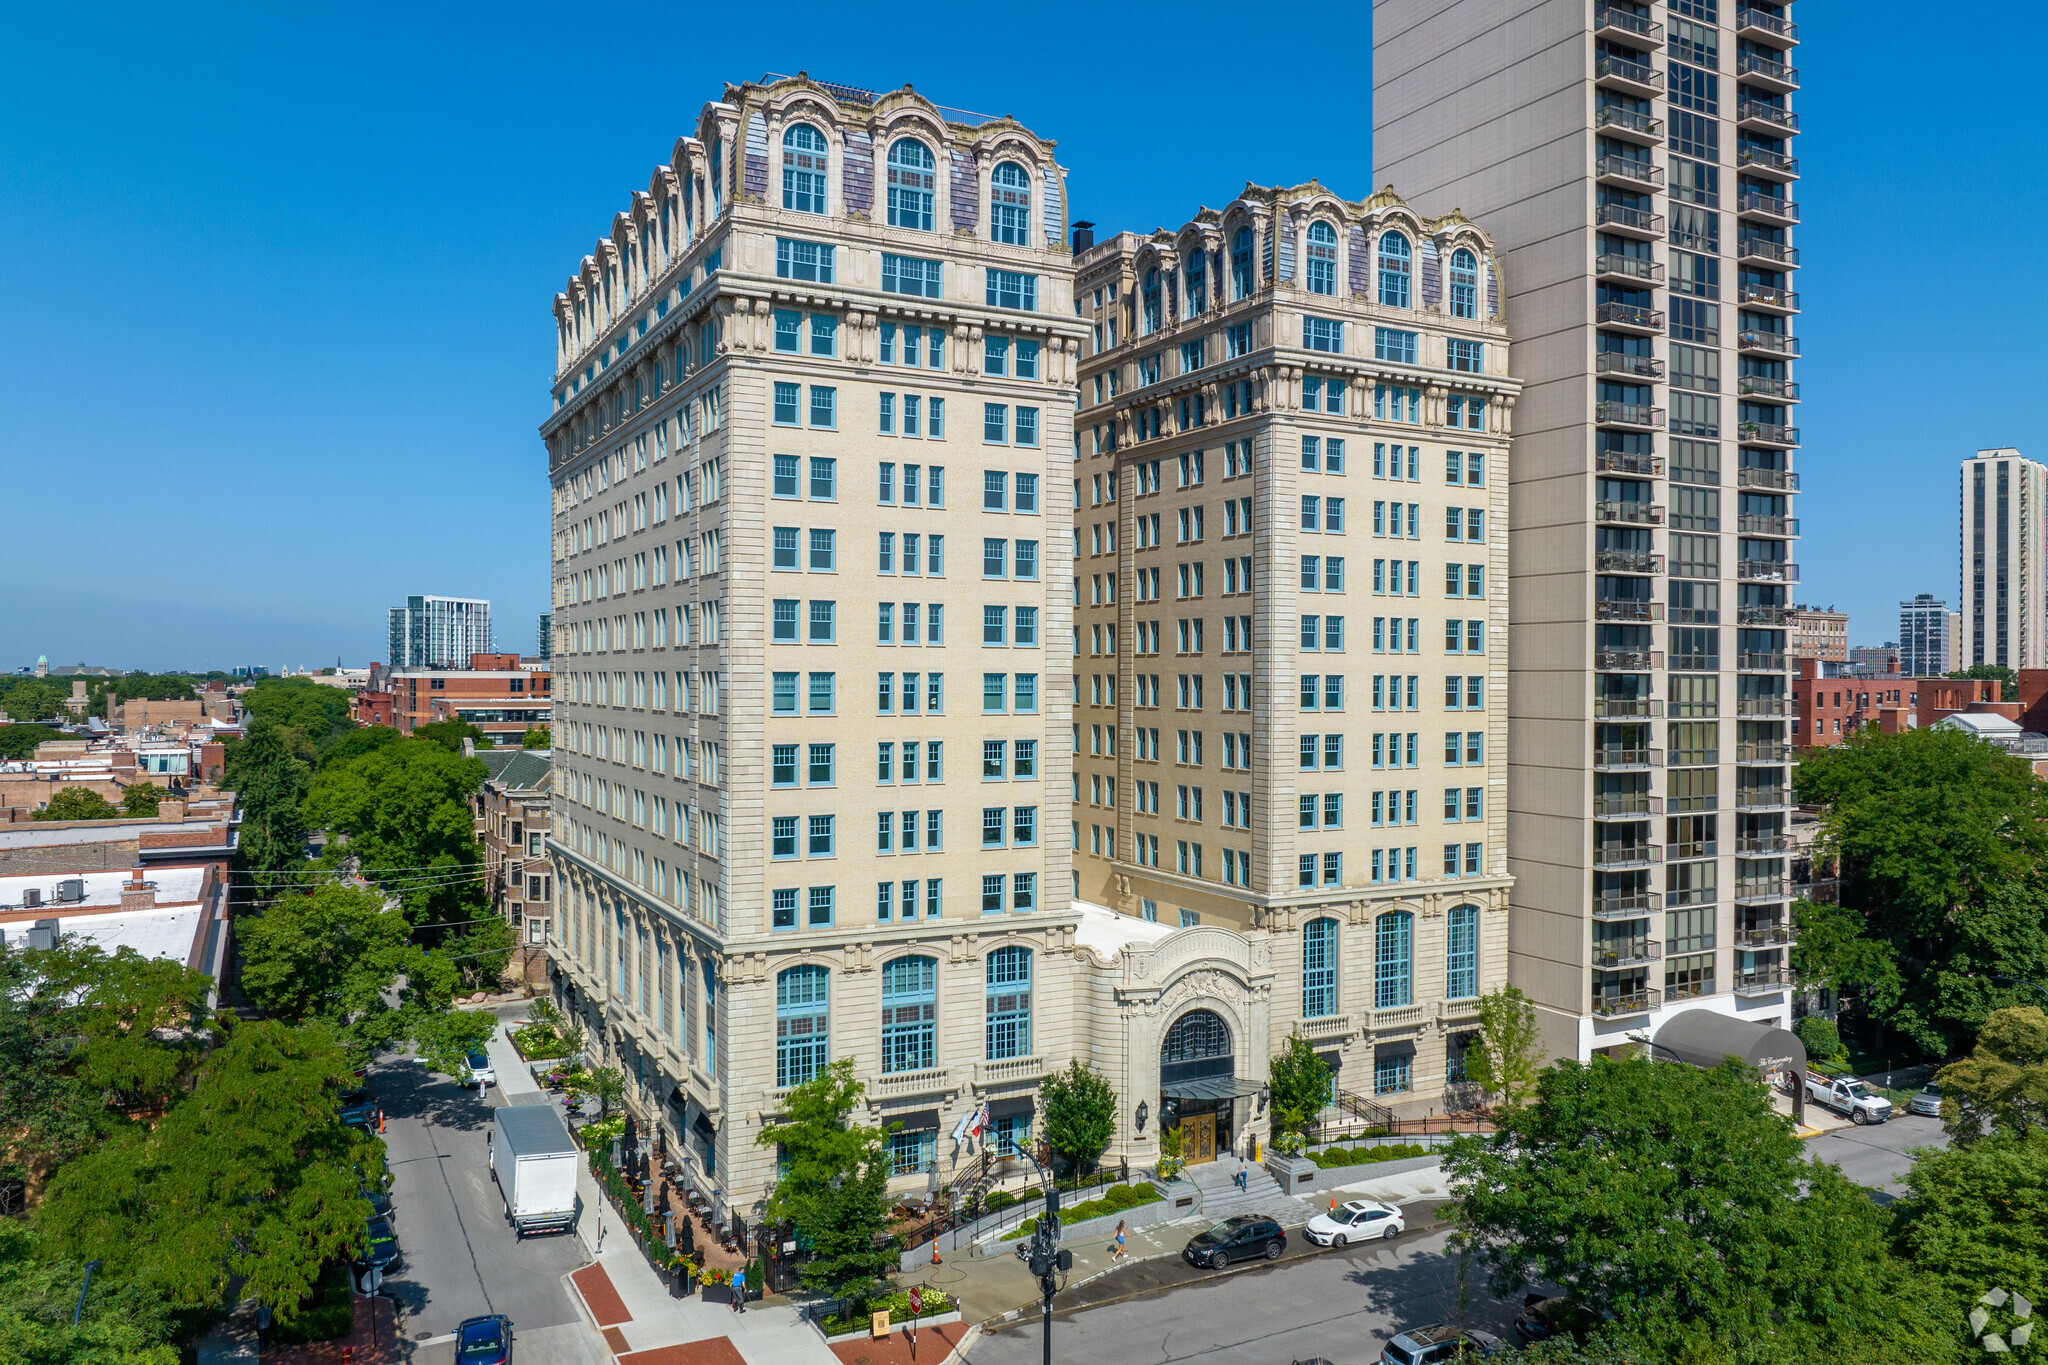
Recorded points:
(1357, 1221)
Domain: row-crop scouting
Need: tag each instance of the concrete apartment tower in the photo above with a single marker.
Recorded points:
(811, 456)
(439, 632)
(1633, 162)
(2004, 560)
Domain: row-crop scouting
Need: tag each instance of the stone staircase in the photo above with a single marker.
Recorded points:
(1262, 1194)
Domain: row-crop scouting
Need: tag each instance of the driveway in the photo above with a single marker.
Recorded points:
(1879, 1155)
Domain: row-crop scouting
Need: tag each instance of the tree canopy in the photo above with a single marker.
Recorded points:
(449, 734)
(1976, 1218)
(537, 737)
(1301, 1087)
(314, 710)
(835, 1187)
(2002, 1086)
(271, 780)
(77, 803)
(1080, 1113)
(1507, 1056)
(19, 741)
(121, 1323)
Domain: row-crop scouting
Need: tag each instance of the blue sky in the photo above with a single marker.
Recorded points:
(277, 279)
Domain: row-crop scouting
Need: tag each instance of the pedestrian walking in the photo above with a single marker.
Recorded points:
(1116, 1250)
(739, 1290)
(1242, 1179)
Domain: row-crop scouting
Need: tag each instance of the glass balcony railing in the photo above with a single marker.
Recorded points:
(1635, 366)
(1623, 72)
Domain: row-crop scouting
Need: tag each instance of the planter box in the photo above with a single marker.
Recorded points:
(1293, 1172)
(1181, 1195)
(1330, 1177)
(895, 1328)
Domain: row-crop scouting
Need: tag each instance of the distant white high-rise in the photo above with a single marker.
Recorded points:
(439, 632)
(2004, 557)
(1925, 646)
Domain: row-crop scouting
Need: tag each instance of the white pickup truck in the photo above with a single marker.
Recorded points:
(1847, 1095)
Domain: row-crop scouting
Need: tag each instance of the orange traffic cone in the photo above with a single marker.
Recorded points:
(1333, 1203)
(935, 1251)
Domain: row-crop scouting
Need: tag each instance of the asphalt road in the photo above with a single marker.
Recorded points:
(1342, 1305)
(1879, 1155)
(461, 1259)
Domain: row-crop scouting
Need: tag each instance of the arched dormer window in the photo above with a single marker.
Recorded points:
(1322, 258)
(804, 163)
(802, 1024)
(1393, 960)
(1149, 292)
(717, 176)
(1197, 282)
(913, 183)
(1319, 968)
(1243, 278)
(1394, 258)
(1009, 203)
(1464, 284)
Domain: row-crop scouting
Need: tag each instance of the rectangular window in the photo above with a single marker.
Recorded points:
(1392, 344)
(995, 423)
(1323, 334)
(910, 275)
(795, 260)
(1466, 356)
(786, 400)
(1012, 289)
(824, 406)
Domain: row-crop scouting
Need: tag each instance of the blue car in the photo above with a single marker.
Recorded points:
(484, 1341)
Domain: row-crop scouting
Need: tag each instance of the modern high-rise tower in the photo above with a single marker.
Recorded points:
(1925, 644)
(439, 632)
(1634, 163)
(2004, 560)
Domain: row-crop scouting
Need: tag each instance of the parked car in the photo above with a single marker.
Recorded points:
(1536, 1321)
(484, 1341)
(1428, 1345)
(1926, 1100)
(1242, 1238)
(380, 1248)
(379, 1200)
(1847, 1095)
(477, 1068)
(1355, 1221)
(358, 1109)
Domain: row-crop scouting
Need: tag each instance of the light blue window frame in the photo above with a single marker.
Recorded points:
(909, 1013)
(913, 184)
(1322, 258)
(1009, 1003)
(802, 1023)
(1393, 960)
(1461, 971)
(1395, 257)
(1319, 969)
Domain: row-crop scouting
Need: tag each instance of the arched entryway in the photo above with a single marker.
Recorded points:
(1198, 1084)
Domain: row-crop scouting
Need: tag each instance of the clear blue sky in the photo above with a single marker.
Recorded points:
(277, 279)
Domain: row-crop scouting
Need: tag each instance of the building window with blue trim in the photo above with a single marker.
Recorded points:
(1243, 280)
(910, 1153)
(799, 260)
(1323, 334)
(1392, 1075)
(803, 169)
(1197, 283)
(1010, 204)
(1013, 289)
(802, 1024)
(1319, 969)
(1466, 356)
(910, 1012)
(1322, 258)
(1009, 1003)
(1464, 284)
(1461, 973)
(1394, 261)
(1393, 959)
(915, 276)
(913, 181)
(1389, 343)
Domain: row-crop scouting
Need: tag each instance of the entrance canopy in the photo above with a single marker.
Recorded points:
(1210, 1088)
(1706, 1038)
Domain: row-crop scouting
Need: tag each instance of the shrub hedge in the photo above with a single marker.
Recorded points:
(1115, 1199)
(1364, 1156)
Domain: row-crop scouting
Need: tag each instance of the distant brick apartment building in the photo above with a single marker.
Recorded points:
(1831, 709)
(512, 822)
(501, 694)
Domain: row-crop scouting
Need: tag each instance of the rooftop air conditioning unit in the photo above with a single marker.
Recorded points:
(31, 897)
(43, 934)
(71, 889)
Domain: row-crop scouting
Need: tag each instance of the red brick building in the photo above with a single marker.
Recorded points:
(500, 694)
(1831, 709)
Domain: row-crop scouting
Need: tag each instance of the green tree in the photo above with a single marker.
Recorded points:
(356, 743)
(19, 741)
(1507, 1057)
(317, 711)
(1301, 1087)
(2009, 687)
(137, 1025)
(835, 1186)
(537, 737)
(1080, 1114)
(1976, 1218)
(143, 799)
(249, 1175)
(78, 803)
(449, 734)
(1820, 1037)
(47, 1112)
(121, 1322)
(34, 699)
(151, 687)
(271, 781)
(1675, 1203)
(2002, 1086)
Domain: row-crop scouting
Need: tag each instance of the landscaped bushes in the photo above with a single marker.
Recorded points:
(1363, 1156)
(540, 1042)
(896, 1305)
(998, 1200)
(1115, 1199)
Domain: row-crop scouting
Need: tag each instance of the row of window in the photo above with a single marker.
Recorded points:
(1394, 274)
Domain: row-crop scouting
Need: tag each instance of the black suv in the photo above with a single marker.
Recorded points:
(1242, 1238)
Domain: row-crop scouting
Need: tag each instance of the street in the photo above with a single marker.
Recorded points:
(1879, 1156)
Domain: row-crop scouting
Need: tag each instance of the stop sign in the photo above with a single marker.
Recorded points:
(916, 1301)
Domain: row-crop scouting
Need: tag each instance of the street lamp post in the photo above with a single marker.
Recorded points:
(1047, 1260)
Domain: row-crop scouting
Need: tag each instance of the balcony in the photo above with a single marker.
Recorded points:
(1771, 982)
(1621, 218)
(1768, 297)
(1760, 663)
(1750, 247)
(1754, 23)
(1627, 122)
(1634, 366)
(1780, 480)
(1021, 1069)
(1640, 415)
(1767, 343)
(1765, 162)
(1763, 616)
(1628, 611)
(1766, 706)
(1771, 75)
(1632, 1002)
(1754, 752)
(1612, 265)
(1764, 386)
(1633, 172)
(1607, 19)
(1766, 571)
(1626, 708)
(1638, 78)
(1629, 513)
(1613, 956)
(1764, 524)
(1765, 117)
(1761, 892)
(1760, 205)
(1608, 760)
(1622, 462)
(914, 1083)
(1627, 561)
(1614, 857)
(1763, 798)
(1767, 434)
(1639, 905)
(1618, 805)
(1764, 936)
(1628, 660)
(1752, 845)
(1627, 317)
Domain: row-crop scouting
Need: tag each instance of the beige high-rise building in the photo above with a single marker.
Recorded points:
(1634, 161)
(1290, 621)
(2005, 560)
(809, 451)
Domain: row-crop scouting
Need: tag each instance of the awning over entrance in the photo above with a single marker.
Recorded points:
(916, 1121)
(1210, 1088)
(1019, 1107)
(1705, 1038)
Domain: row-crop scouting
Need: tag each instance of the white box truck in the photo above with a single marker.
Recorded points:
(534, 1164)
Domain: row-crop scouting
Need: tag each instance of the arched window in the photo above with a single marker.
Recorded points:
(1322, 258)
(910, 1012)
(803, 169)
(1009, 203)
(710, 1017)
(1198, 282)
(802, 1024)
(619, 941)
(1393, 959)
(1197, 1045)
(1150, 293)
(1242, 278)
(1394, 258)
(1009, 1003)
(717, 176)
(1319, 969)
(913, 181)
(1464, 284)
(1461, 956)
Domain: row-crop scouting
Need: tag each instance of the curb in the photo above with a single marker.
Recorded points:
(958, 1356)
